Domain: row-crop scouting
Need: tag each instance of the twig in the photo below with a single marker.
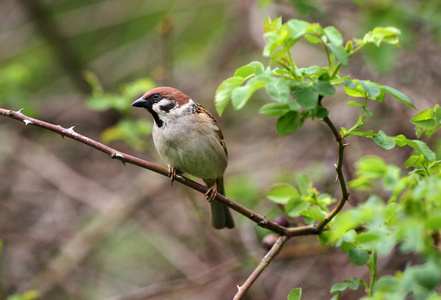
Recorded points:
(126, 158)
(339, 170)
(262, 266)
(285, 233)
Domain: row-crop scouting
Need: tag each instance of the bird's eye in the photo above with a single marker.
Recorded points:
(156, 96)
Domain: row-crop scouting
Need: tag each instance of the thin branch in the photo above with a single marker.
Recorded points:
(340, 176)
(262, 266)
(285, 233)
(126, 158)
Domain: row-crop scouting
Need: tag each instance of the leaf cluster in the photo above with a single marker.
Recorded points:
(410, 218)
(297, 92)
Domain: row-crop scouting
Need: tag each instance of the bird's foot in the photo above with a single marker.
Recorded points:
(211, 193)
(172, 173)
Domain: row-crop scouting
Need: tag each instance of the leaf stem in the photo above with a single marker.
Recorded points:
(373, 270)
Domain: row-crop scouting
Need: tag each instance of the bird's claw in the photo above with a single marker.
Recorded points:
(172, 174)
(211, 193)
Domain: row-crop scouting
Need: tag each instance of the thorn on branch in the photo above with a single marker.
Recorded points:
(119, 156)
(27, 122)
(20, 111)
(263, 222)
(71, 129)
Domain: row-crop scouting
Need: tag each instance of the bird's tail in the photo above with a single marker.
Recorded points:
(220, 214)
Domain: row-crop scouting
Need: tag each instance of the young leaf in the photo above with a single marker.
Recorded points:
(313, 39)
(339, 52)
(278, 89)
(304, 183)
(295, 294)
(241, 95)
(398, 95)
(334, 35)
(274, 109)
(307, 97)
(371, 88)
(245, 71)
(384, 141)
(281, 193)
(224, 91)
(288, 123)
(314, 212)
(324, 88)
(339, 287)
(297, 28)
(358, 256)
(295, 206)
(271, 25)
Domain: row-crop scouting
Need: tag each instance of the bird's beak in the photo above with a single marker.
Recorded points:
(141, 102)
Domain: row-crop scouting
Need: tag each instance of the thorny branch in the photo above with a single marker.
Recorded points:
(318, 228)
(284, 232)
(266, 260)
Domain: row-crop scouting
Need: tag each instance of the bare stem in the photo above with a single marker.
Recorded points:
(266, 260)
(126, 158)
(340, 176)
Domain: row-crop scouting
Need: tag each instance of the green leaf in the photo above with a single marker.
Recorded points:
(295, 206)
(357, 91)
(358, 256)
(422, 148)
(313, 39)
(281, 193)
(384, 141)
(224, 91)
(321, 112)
(241, 95)
(372, 89)
(307, 97)
(278, 89)
(295, 294)
(334, 35)
(368, 239)
(244, 71)
(288, 123)
(339, 52)
(339, 287)
(314, 212)
(355, 103)
(324, 88)
(398, 95)
(304, 183)
(274, 109)
(298, 28)
(271, 25)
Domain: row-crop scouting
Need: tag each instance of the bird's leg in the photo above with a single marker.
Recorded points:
(172, 173)
(211, 193)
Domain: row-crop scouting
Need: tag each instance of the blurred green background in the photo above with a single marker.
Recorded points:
(77, 225)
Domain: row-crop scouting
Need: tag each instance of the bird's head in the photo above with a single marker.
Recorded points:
(165, 103)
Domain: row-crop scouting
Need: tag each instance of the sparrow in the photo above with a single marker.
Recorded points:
(188, 139)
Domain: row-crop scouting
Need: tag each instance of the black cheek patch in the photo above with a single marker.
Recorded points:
(166, 108)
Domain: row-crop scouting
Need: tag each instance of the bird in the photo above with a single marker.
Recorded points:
(187, 138)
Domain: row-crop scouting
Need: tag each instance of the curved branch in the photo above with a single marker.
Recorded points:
(339, 169)
(126, 158)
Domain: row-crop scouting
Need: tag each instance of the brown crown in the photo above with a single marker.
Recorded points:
(169, 93)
